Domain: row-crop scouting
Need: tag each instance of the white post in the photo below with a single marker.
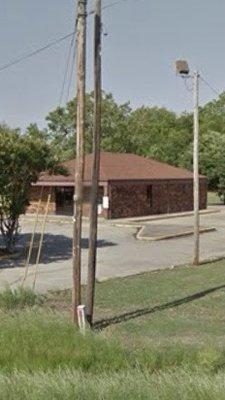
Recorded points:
(81, 319)
(196, 167)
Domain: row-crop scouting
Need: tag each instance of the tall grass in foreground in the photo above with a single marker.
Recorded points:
(11, 299)
(44, 341)
(70, 385)
(34, 340)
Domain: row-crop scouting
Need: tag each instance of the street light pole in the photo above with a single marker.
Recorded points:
(182, 69)
(196, 76)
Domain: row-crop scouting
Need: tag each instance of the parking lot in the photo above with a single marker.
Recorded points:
(119, 252)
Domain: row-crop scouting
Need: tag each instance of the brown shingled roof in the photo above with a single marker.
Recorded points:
(121, 166)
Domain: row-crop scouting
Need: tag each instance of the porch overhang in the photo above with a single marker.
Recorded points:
(65, 183)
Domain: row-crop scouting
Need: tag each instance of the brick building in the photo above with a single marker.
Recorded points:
(129, 186)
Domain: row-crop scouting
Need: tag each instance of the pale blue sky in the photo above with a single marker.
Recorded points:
(144, 37)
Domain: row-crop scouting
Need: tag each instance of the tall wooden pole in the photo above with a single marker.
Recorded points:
(79, 167)
(96, 163)
(196, 167)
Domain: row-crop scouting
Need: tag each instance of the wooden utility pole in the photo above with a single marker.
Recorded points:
(96, 163)
(79, 167)
(196, 167)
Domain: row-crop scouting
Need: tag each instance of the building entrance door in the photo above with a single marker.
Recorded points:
(64, 200)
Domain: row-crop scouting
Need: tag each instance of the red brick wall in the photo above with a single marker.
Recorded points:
(129, 200)
(35, 194)
(203, 194)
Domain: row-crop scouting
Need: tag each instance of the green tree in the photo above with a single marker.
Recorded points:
(115, 136)
(35, 133)
(212, 115)
(21, 160)
(158, 133)
(148, 131)
(211, 160)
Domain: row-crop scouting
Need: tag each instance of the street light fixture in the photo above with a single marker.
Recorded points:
(182, 69)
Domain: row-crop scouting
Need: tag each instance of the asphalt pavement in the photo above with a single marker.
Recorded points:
(119, 252)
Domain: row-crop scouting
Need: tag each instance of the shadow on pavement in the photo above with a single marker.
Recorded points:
(55, 248)
(104, 323)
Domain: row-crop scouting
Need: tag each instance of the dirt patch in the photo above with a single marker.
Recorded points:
(59, 300)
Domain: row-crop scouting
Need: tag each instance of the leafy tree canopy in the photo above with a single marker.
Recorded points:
(21, 160)
(62, 122)
(148, 131)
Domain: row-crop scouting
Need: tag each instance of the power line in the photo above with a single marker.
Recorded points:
(190, 87)
(210, 86)
(113, 4)
(206, 83)
(67, 67)
(51, 44)
(71, 75)
(107, 6)
(74, 52)
(35, 52)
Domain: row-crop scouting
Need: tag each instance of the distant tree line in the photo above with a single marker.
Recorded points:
(148, 131)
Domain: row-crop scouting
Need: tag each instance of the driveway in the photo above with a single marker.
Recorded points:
(119, 252)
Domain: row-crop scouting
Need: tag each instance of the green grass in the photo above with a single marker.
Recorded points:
(18, 298)
(73, 385)
(190, 300)
(163, 336)
(194, 321)
(213, 199)
(40, 341)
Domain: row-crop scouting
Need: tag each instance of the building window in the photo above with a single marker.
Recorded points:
(149, 195)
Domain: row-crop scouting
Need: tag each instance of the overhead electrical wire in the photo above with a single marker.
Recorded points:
(68, 62)
(72, 36)
(35, 52)
(74, 56)
(209, 86)
(190, 88)
(115, 3)
(71, 74)
(51, 44)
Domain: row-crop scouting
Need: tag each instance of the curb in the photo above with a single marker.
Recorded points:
(172, 236)
(139, 221)
(169, 268)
